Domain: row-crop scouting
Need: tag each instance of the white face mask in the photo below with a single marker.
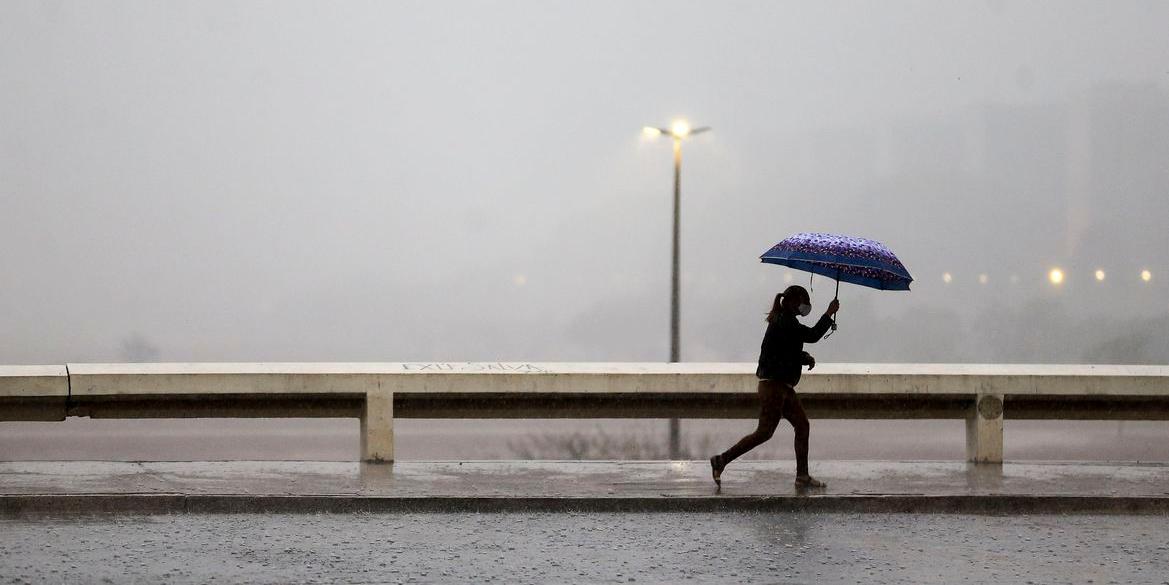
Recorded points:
(804, 309)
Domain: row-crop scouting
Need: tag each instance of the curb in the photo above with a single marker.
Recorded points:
(56, 505)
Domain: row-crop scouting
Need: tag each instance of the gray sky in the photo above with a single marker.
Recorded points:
(467, 180)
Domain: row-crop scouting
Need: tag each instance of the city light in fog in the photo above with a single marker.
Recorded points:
(1055, 276)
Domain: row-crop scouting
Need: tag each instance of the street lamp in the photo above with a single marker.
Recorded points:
(679, 130)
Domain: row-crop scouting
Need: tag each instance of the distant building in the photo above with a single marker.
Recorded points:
(1121, 201)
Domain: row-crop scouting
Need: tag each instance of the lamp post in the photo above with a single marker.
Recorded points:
(679, 130)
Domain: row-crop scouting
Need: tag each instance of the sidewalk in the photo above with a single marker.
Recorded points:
(87, 487)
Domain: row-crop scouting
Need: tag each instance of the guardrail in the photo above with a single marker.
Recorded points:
(376, 393)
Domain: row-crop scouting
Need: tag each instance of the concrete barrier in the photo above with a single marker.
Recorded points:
(236, 390)
(33, 393)
(375, 393)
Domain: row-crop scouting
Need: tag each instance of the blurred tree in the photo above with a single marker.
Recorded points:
(137, 348)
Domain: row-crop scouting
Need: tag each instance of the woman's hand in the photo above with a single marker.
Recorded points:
(833, 307)
(808, 360)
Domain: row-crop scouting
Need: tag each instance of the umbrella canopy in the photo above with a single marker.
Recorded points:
(845, 258)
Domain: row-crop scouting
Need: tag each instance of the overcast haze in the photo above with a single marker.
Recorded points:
(468, 181)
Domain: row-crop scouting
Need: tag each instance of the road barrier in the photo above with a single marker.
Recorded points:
(376, 393)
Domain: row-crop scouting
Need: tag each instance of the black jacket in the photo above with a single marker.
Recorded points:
(782, 353)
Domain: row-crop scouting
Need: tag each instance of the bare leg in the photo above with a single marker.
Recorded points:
(771, 398)
(793, 411)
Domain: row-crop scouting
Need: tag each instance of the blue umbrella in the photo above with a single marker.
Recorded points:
(844, 258)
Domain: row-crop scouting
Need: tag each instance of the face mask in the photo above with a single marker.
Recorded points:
(804, 309)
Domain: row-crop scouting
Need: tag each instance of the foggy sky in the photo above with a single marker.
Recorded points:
(467, 180)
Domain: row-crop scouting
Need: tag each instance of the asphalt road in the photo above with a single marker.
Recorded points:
(587, 548)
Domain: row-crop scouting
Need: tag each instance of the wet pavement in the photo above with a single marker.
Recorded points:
(576, 478)
(586, 548)
(154, 487)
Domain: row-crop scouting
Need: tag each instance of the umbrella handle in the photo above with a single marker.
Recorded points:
(833, 327)
(836, 297)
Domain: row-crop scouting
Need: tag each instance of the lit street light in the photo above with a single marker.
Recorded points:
(678, 130)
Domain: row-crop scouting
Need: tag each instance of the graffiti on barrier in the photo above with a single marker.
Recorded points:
(472, 367)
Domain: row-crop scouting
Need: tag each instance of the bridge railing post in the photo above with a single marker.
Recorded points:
(377, 426)
(984, 429)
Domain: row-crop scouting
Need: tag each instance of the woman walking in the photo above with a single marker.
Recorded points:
(780, 361)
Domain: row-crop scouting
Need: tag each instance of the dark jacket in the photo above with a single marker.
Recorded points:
(782, 353)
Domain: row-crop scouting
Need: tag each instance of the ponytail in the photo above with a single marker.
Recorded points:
(776, 309)
(795, 293)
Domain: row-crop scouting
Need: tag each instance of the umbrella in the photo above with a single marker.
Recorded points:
(844, 258)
